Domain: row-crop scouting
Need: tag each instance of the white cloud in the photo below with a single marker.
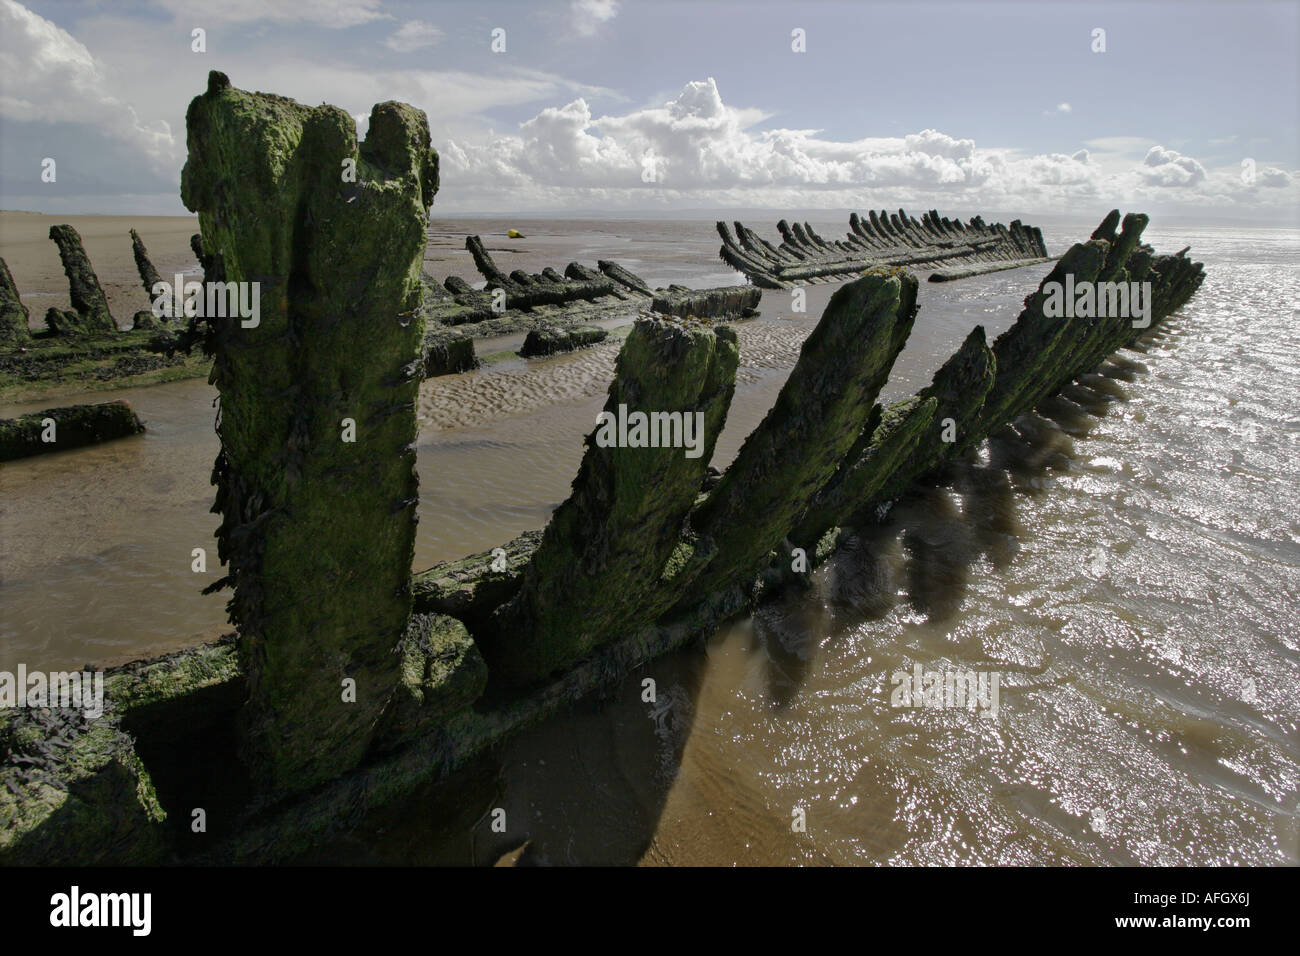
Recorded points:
(934, 143)
(1273, 177)
(1063, 107)
(1168, 167)
(588, 15)
(699, 143)
(413, 35)
(50, 76)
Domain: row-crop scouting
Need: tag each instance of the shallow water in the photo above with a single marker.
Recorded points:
(1133, 585)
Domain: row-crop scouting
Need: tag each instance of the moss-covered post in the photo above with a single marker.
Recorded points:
(148, 274)
(1125, 263)
(89, 315)
(1029, 355)
(822, 409)
(959, 388)
(13, 314)
(892, 434)
(316, 480)
(601, 555)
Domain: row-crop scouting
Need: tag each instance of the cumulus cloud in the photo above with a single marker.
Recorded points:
(1273, 177)
(413, 35)
(697, 143)
(1168, 167)
(50, 76)
(1063, 107)
(588, 15)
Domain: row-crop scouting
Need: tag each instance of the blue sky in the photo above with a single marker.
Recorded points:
(959, 106)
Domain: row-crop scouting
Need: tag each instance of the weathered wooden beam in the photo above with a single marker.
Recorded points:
(738, 300)
(599, 560)
(551, 341)
(797, 448)
(316, 475)
(61, 429)
(89, 314)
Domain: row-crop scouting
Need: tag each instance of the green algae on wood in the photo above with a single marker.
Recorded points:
(818, 416)
(89, 315)
(551, 341)
(445, 352)
(50, 365)
(442, 672)
(732, 300)
(472, 587)
(174, 695)
(61, 429)
(889, 438)
(316, 479)
(148, 274)
(600, 557)
(1029, 352)
(14, 330)
(73, 792)
(959, 389)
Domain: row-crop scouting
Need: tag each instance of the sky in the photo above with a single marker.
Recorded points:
(670, 107)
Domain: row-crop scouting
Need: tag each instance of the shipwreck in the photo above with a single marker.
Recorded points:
(947, 248)
(350, 681)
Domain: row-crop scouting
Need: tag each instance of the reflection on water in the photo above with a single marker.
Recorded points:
(1132, 578)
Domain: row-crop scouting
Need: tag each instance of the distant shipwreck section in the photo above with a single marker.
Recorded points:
(83, 346)
(351, 681)
(553, 308)
(954, 249)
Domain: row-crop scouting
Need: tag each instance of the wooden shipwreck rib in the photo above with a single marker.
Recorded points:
(649, 551)
(956, 249)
